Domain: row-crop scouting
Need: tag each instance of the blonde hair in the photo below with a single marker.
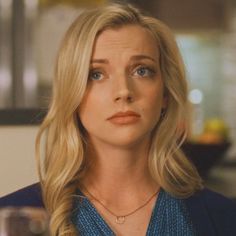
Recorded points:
(63, 160)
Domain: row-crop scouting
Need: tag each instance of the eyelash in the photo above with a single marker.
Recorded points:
(150, 72)
(93, 72)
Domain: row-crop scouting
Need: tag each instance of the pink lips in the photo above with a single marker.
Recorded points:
(122, 118)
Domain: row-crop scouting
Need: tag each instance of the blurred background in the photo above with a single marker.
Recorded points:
(205, 30)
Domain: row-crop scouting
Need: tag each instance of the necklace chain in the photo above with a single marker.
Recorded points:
(120, 219)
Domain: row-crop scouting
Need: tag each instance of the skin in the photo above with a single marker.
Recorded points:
(124, 75)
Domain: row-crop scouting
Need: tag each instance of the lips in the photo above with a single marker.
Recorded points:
(127, 117)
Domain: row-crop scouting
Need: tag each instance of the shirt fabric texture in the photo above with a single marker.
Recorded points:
(211, 214)
(169, 217)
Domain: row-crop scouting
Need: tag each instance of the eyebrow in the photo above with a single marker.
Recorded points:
(140, 57)
(104, 61)
(133, 58)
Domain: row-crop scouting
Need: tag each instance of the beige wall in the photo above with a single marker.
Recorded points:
(17, 164)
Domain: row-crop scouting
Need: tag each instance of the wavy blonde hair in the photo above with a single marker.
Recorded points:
(63, 162)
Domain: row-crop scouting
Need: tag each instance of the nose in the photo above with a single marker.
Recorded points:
(123, 90)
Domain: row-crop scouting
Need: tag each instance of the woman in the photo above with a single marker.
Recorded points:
(112, 161)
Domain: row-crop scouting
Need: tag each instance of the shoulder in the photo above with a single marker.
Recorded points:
(213, 211)
(213, 201)
(27, 196)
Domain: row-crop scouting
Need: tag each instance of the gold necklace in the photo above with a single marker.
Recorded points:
(120, 219)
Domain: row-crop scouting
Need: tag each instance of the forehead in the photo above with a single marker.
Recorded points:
(128, 39)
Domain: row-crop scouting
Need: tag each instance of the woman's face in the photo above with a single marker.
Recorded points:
(124, 94)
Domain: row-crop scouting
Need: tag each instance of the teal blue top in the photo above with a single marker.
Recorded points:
(211, 213)
(169, 218)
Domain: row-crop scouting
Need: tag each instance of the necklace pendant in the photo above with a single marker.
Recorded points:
(120, 220)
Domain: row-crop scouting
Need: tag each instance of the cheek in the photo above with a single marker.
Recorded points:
(155, 107)
(91, 108)
(155, 97)
(87, 110)
(155, 102)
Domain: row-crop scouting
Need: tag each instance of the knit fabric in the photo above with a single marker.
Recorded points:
(169, 218)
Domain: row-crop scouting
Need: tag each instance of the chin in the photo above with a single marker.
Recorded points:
(129, 141)
(121, 138)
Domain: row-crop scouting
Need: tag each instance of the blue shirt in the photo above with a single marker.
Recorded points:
(211, 213)
(169, 218)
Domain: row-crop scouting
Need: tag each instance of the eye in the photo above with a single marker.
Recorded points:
(144, 71)
(95, 75)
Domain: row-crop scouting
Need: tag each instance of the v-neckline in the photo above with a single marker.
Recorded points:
(102, 222)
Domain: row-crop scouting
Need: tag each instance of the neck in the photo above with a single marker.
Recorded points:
(116, 169)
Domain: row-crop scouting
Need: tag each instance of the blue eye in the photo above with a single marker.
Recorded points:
(144, 72)
(95, 75)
